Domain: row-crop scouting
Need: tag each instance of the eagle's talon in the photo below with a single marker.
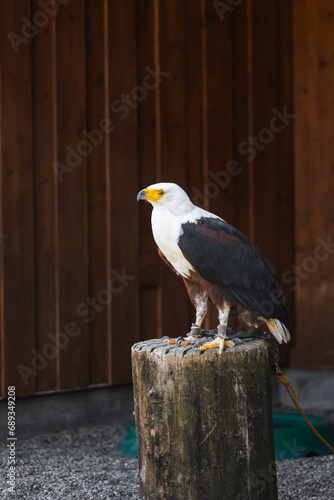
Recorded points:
(219, 342)
(166, 337)
(191, 340)
(210, 345)
(202, 341)
(183, 341)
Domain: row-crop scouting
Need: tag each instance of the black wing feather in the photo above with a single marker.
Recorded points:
(226, 258)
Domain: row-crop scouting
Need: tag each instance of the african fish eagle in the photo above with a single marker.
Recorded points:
(216, 262)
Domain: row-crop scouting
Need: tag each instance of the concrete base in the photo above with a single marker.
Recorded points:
(315, 389)
(49, 413)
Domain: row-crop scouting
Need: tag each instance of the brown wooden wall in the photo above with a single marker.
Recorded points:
(85, 126)
(313, 46)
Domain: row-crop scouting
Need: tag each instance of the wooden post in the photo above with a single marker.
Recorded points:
(204, 422)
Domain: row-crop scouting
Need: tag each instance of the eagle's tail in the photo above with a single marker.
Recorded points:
(280, 331)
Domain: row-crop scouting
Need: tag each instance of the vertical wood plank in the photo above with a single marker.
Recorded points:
(219, 113)
(98, 111)
(195, 102)
(124, 187)
(194, 47)
(270, 140)
(18, 284)
(172, 16)
(240, 169)
(72, 193)
(218, 191)
(307, 128)
(45, 153)
(313, 38)
(285, 223)
(263, 144)
(268, 146)
(148, 168)
(241, 29)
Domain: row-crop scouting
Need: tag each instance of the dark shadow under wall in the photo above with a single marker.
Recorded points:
(50, 413)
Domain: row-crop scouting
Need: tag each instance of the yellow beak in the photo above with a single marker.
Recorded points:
(149, 195)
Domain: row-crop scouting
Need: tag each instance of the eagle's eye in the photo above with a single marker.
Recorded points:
(161, 192)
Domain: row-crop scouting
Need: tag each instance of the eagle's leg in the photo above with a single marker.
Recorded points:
(223, 314)
(196, 331)
(196, 328)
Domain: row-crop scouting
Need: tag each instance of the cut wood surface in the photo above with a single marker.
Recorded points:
(204, 422)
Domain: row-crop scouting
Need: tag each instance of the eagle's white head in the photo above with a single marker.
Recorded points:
(167, 195)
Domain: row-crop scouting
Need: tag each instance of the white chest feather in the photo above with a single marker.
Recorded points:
(167, 229)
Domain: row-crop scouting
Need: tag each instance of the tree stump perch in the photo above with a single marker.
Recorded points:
(204, 422)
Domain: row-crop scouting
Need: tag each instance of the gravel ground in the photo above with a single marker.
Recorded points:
(80, 464)
(83, 464)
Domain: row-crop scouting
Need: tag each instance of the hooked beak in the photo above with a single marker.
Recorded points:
(141, 195)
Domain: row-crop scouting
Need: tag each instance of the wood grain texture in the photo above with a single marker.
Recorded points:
(18, 265)
(72, 193)
(65, 238)
(267, 148)
(45, 197)
(219, 99)
(242, 115)
(262, 143)
(148, 166)
(123, 189)
(174, 300)
(98, 172)
(219, 121)
(204, 422)
(313, 77)
(285, 226)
